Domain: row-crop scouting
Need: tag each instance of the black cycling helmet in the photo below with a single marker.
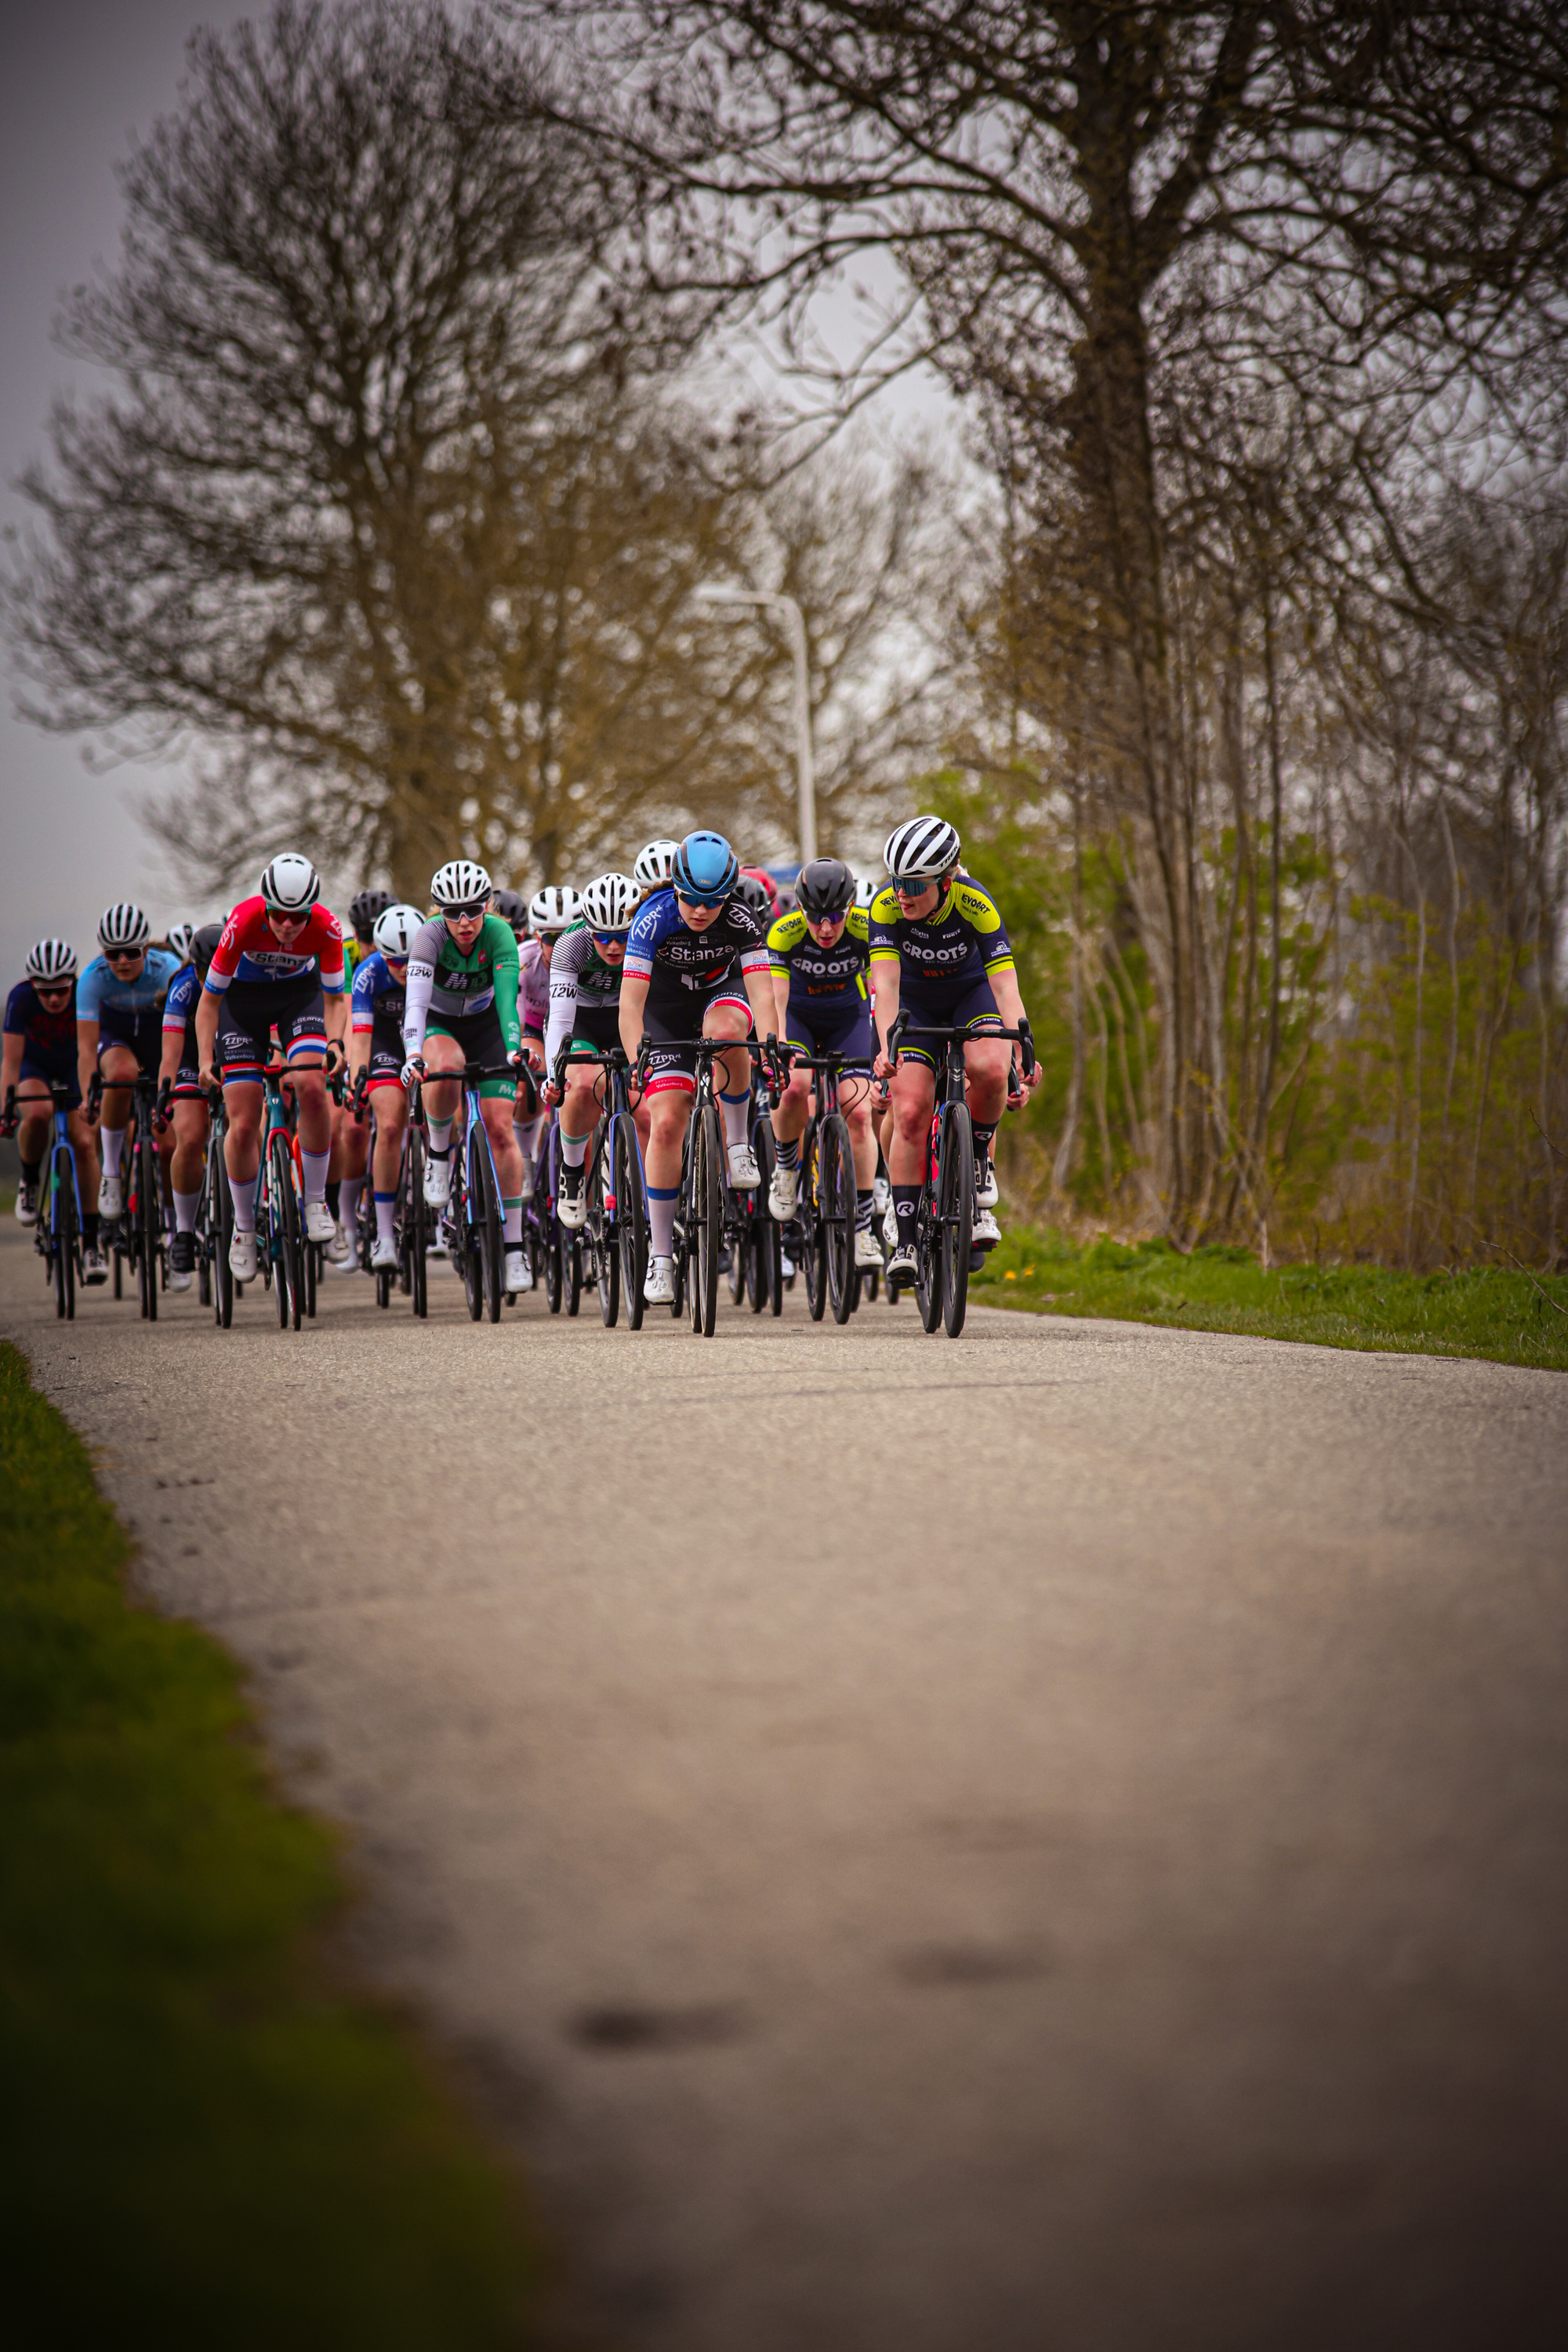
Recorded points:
(751, 893)
(825, 887)
(204, 946)
(513, 908)
(364, 909)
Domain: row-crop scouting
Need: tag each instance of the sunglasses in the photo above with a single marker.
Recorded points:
(51, 987)
(276, 915)
(689, 898)
(462, 914)
(124, 955)
(609, 939)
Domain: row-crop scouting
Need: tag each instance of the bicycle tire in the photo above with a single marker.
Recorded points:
(814, 1237)
(555, 1270)
(287, 1234)
(955, 1195)
(607, 1252)
(631, 1218)
(487, 1221)
(148, 1220)
(117, 1256)
(928, 1244)
(220, 1233)
(572, 1269)
(707, 1204)
(838, 1205)
(62, 1226)
(415, 1225)
(311, 1258)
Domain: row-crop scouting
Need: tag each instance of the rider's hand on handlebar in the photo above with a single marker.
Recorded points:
(413, 1070)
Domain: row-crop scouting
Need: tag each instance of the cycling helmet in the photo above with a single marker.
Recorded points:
(460, 887)
(706, 868)
(124, 925)
(924, 850)
(204, 945)
(555, 909)
(180, 936)
(655, 864)
(51, 960)
(396, 930)
(864, 892)
(609, 904)
(291, 885)
(760, 874)
(513, 908)
(825, 887)
(364, 909)
(751, 893)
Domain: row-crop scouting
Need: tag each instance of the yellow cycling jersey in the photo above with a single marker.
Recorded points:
(965, 939)
(814, 971)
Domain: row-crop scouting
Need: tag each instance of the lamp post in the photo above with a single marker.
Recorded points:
(806, 771)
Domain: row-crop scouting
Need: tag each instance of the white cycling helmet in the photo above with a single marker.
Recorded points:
(655, 864)
(51, 960)
(124, 925)
(461, 887)
(291, 884)
(609, 903)
(923, 850)
(180, 936)
(555, 909)
(864, 891)
(396, 929)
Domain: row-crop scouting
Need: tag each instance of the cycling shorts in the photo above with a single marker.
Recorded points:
(386, 1054)
(595, 1028)
(144, 1034)
(971, 1005)
(839, 1025)
(47, 1068)
(480, 1035)
(187, 1086)
(671, 1030)
(249, 1010)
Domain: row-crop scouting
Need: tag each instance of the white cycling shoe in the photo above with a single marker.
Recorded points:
(986, 1228)
(659, 1285)
(890, 1224)
(321, 1225)
(881, 1196)
(111, 1196)
(783, 1192)
(571, 1201)
(28, 1202)
(903, 1261)
(866, 1250)
(987, 1191)
(745, 1173)
(242, 1256)
(338, 1250)
(383, 1256)
(437, 1181)
(519, 1273)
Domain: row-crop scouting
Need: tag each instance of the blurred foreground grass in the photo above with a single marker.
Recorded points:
(206, 2139)
(1512, 1317)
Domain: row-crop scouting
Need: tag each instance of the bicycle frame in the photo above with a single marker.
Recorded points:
(617, 1186)
(57, 1242)
(945, 1217)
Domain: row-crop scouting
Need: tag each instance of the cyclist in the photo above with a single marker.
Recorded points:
(364, 911)
(376, 1009)
(119, 1028)
(551, 911)
(585, 1006)
(678, 984)
(819, 953)
(180, 1072)
(461, 1006)
(40, 1046)
(940, 947)
(277, 966)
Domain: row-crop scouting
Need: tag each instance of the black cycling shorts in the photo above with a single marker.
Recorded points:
(671, 1030)
(596, 1028)
(833, 1024)
(386, 1054)
(48, 1070)
(480, 1035)
(144, 1037)
(249, 1012)
(971, 1005)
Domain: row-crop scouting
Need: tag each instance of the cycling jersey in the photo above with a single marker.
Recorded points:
(817, 972)
(580, 981)
(376, 1001)
(122, 1006)
(534, 987)
(964, 941)
(445, 985)
(673, 958)
(180, 1019)
(251, 952)
(49, 1039)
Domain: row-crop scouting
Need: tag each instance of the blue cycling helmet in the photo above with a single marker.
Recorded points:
(706, 868)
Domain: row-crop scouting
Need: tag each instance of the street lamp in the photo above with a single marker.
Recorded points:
(794, 622)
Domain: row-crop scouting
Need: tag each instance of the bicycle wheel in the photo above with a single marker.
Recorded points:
(554, 1271)
(117, 1256)
(148, 1222)
(571, 1270)
(487, 1221)
(602, 1229)
(311, 1258)
(813, 1233)
(631, 1218)
(62, 1237)
(955, 1196)
(288, 1232)
(415, 1225)
(770, 1233)
(708, 1218)
(836, 1203)
(220, 1233)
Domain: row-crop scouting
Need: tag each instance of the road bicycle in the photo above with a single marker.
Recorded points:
(944, 1220)
(201, 1234)
(708, 1211)
(756, 1265)
(57, 1235)
(822, 1231)
(138, 1236)
(471, 1221)
(616, 1231)
(216, 1225)
(410, 1217)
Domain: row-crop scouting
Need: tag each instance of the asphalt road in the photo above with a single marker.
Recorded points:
(1055, 1840)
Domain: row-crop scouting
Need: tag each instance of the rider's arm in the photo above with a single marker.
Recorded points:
(507, 972)
(562, 1016)
(884, 980)
(634, 996)
(10, 1062)
(86, 1052)
(758, 987)
(422, 955)
(208, 1005)
(780, 1000)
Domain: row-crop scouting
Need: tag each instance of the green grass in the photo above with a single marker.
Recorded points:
(1483, 1311)
(206, 2138)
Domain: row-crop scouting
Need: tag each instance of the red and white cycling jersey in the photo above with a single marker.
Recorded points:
(251, 951)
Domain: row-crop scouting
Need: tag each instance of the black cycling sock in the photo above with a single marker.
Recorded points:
(31, 1171)
(787, 1154)
(906, 1208)
(984, 1137)
(864, 1204)
(332, 1199)
(90, 1227)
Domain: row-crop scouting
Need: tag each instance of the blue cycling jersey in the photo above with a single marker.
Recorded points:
(666, 952)
(376, 997)
(180, 1004)
(118, 1004)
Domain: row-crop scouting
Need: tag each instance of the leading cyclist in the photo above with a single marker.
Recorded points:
(678, 984)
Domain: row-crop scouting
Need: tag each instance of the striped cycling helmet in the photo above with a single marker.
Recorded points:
(923, 850)
(610, 902)
(291, 884)
(655, 864)
(51, 960)
(461, 887)
(180, 936)
(124, 925)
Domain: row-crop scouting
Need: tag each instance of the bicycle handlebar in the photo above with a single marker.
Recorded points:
(1023, 1036)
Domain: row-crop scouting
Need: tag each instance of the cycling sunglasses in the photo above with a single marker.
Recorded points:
(122, 955)
(464, 914)
(700, 897)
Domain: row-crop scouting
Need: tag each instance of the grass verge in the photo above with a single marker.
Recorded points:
(1512, 1319)
(205, 2140)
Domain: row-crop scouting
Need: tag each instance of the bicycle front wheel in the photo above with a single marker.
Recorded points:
(415, 1235)
(708, 1211)
(487, 1219)
(220, 1233)
(837, 1210)
(287, 1234)
(62, 1214)
(955, 1201)
(149, 1224)
(602, 1227)
(814, 1233)
(631, 1218)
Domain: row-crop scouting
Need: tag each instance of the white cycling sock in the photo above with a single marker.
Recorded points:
(113, 1141)
(386, 1203)
(314, 1164)
(349, 1191)
(244, 1203)
(661, 1219)
(574, 1149)
(529, 1132)
(736, 1110)
(441, 1137)
(511, 1223)
(186, 1207)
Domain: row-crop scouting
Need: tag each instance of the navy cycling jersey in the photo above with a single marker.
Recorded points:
(49, 1039)
(667, 952)
(814, 972)
(180, 1011)
(964, 942)
(377, 1000)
